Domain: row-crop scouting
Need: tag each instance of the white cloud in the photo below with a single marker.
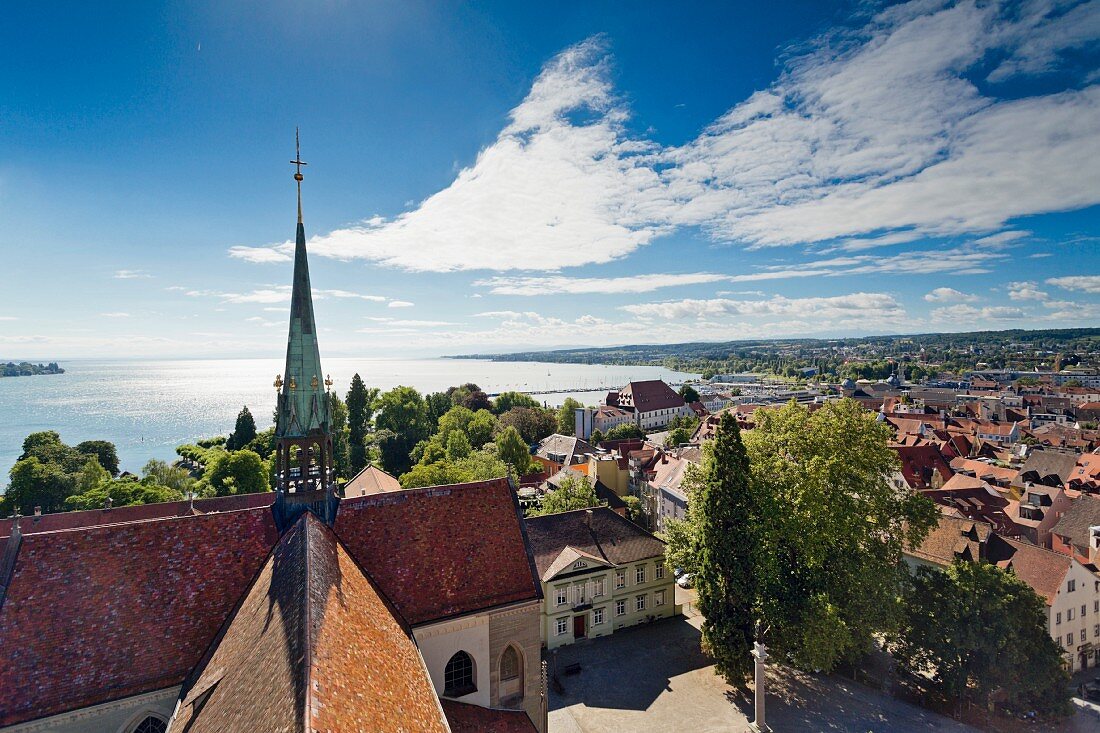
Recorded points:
(130, 275)
(1026, 291)
(1083, 283)
(871, 136)
(263, 255)
(115, 314)
(949, 295)
(400, 304)
(281, 294)
(971, 314)
(871, 306)
(8, 318)
(554, 284)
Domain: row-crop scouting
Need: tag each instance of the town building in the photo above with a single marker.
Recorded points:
(652, 402)
(600, 573)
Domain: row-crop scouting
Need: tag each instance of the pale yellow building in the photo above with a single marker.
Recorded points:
(600, 573)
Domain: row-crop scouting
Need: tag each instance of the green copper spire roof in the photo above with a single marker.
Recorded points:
(303, 406)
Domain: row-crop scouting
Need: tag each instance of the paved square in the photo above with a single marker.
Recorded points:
(654, 678)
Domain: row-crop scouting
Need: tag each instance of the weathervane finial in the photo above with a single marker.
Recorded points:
(298, 163)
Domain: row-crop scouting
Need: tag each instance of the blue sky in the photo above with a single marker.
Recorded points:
(490, 176)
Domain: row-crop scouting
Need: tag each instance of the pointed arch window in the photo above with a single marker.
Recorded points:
(458, 677)
(509, 664)
(151, 724)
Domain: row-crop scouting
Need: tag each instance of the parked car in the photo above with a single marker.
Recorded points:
(684, 581)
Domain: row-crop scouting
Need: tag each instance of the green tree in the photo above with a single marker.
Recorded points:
(458, 446)
(574, 492)
(479, 465)
(263, 444)
(171, 477)
(978, 630)
(826, 532)
(91, 476)
(836, 530)
(626, 431)
(341, 444)
(121, 492)
(243, 432)
(239, 472)
(566, 416)
(596, 437)
(481, 428)
(360, 403)
(104, 451)
(533, 423)
(38, 484)
(634, 509)
(689, 394)
(47, 447)
(730, 516)
(438, 403)
(457, 418)
(514, 451)
(506, 401)
(678, 436)
(403, 415)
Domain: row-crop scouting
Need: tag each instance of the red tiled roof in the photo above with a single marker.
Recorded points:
(371, 480)
(650, 395)
(920, 462)
(442, 551)
(101, 613)
(163, 510)
(1042, 569)
(312, 647)
(465, 718)
(985, 471)
(601, 533)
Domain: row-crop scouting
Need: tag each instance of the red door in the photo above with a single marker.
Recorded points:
(578, 627)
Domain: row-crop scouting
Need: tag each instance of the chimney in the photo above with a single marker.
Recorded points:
(38, 511)
(588, 518)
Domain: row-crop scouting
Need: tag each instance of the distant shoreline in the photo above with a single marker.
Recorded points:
(27, 369)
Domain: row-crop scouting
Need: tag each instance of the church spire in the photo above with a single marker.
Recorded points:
(303, 429)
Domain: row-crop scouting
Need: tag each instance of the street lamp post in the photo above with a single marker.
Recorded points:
(759, 655)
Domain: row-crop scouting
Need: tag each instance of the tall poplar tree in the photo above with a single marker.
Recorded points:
(728, 520)
(359, 416)
(243, 432)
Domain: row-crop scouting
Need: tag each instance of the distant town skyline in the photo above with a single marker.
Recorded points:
(492, 177)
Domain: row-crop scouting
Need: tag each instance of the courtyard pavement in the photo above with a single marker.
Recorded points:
(655, 678)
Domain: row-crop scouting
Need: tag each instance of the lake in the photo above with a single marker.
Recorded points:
(147, 408)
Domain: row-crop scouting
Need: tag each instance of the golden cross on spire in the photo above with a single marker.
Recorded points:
(298, 163)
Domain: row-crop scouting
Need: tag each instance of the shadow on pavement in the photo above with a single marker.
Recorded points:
(659, 651)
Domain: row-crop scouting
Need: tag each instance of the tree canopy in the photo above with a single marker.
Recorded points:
(244, 432)
(975, 629)
(689, 394)
(402, 421)
(574, 492)
(239, 472)
(828, 528)
(360, 404)
(512, 449)
(533, 423)
(506, 401)
(567, 417)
